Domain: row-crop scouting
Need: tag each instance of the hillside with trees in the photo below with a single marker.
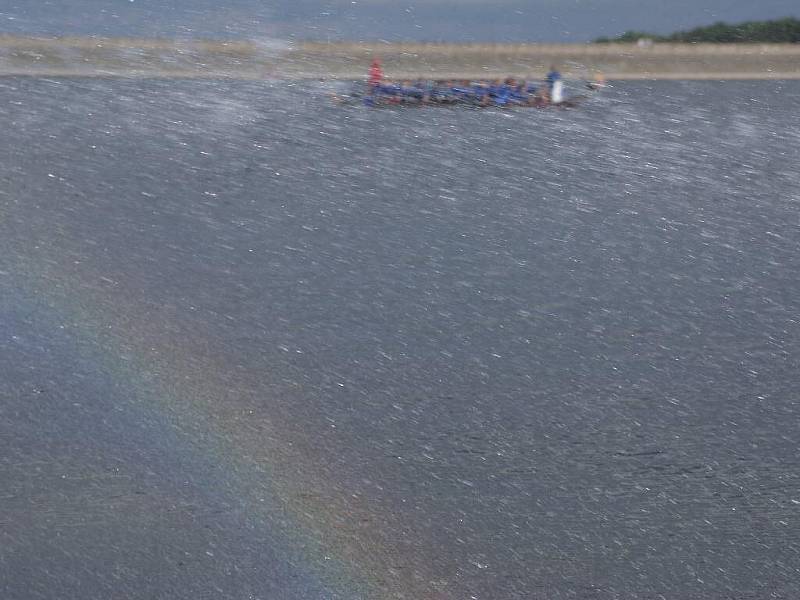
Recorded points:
(779, 31)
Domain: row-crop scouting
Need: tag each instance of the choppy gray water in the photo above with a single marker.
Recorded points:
(550, 354)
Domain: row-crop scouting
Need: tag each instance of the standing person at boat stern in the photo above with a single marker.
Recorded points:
(555, 85)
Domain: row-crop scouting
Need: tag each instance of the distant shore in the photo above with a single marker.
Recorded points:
(343, 60)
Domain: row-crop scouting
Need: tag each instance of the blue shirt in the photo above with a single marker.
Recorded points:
(552, 77)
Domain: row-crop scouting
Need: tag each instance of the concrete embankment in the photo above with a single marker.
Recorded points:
(299, 60)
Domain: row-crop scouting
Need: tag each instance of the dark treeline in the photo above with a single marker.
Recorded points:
(779, 31)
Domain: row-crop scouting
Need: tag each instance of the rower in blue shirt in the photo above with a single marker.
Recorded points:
(519, 93)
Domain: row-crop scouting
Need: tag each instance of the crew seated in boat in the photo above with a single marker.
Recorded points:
(500, 93)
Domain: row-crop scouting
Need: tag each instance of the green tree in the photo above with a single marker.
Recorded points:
(785, 31)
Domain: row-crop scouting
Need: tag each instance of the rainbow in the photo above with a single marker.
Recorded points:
(264, 457)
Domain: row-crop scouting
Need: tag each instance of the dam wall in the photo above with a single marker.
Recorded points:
(271, 59)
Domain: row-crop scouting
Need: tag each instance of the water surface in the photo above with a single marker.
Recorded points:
(254, 345)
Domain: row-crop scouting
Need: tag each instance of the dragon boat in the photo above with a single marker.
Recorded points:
(377, 91)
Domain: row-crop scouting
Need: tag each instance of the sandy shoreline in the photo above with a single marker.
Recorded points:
(70, 57)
